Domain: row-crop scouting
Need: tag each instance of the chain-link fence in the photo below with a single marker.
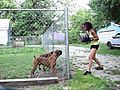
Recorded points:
(24, 48)
(55, 39)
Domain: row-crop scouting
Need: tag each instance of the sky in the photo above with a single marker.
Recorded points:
(82, 3)
(78, 3)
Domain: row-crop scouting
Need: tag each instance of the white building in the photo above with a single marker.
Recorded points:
(5, 29)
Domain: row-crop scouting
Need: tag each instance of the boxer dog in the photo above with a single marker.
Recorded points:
(46, 60)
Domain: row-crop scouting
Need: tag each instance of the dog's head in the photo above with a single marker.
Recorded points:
(58, 52)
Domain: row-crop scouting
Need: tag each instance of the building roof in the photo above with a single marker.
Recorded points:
(4, 24)
(111, 27)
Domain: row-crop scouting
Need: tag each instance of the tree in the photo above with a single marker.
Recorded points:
(26, 23)
(105, 10)
(76, 21)
(36, 4)
(4, 4)
(33, 22)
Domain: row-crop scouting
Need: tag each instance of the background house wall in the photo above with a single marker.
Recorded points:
(4, 31)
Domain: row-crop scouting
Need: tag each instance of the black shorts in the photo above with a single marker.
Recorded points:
(94, 46)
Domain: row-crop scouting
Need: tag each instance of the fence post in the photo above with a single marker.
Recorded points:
(67, 43)
(52, 37)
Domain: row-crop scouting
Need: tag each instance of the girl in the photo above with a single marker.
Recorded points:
(87, 26)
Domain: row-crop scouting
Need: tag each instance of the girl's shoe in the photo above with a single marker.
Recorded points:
(87, 73)
(99, 68)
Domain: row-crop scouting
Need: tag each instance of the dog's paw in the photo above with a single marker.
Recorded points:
(37, 76)
(29, 76)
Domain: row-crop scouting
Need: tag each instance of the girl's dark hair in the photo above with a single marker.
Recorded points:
(87, 26)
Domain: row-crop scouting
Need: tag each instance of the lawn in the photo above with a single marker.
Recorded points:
(17, 62)
(81, 82)
(89, 82)
(102, 49)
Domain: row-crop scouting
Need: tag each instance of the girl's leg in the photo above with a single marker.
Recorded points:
(91, 56)
(98, 62)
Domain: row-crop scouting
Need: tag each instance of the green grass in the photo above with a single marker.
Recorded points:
(89, 82)
(81, 82)
(17, 62)
(102, 49)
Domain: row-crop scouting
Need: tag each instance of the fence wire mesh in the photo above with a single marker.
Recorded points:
(55, 39)
(25, 49)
